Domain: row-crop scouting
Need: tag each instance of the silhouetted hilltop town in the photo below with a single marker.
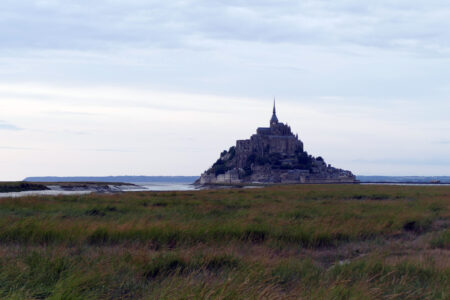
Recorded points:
(272, 155)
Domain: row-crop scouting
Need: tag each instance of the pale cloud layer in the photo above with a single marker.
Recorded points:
(412, 25)
(7, 126)
(161, 87)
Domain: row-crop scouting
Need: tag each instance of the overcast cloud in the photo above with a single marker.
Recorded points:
(6, 126)
(90, 25)
(161, 87)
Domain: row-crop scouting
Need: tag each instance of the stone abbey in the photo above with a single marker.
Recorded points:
(272, 155)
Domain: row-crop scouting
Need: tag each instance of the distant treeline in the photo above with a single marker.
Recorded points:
(405, 179)
(8, 187)
(126, 179)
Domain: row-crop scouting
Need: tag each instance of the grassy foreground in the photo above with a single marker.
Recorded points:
(286, 242)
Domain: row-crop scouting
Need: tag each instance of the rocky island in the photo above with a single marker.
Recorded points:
(272, 155)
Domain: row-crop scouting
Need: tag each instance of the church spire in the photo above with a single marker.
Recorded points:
(274, 119)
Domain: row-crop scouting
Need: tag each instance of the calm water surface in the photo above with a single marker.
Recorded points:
(146, 186)
(159, 186)
(42, 193)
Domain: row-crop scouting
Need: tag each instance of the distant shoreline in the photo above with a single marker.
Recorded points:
(20, 189)
(192, 179)
(113, 179)
(117, 184)
(407, 183)
(49, 187)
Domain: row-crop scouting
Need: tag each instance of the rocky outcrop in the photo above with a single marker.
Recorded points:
(272, 155)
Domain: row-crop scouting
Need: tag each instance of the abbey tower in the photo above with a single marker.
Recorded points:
(272, 155)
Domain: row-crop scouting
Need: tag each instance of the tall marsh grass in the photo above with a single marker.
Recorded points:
(286, 242)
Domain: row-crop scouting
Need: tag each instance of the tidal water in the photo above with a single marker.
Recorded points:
(161, 186)
(42, 193)
(139, 187)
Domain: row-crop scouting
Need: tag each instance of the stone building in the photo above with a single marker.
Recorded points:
(272, 155)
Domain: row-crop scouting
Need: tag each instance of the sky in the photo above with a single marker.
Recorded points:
(109, 87)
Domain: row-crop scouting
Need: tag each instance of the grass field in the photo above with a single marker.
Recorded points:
(280, 242)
